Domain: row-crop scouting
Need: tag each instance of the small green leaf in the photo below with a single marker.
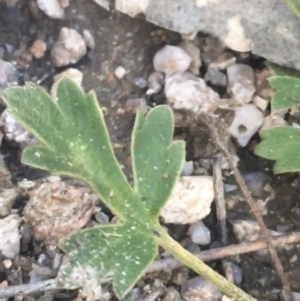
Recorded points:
(287, 93)
(75, 142)
(281, 144)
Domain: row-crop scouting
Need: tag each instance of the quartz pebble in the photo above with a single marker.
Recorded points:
(187, 169)
(155, 82)
(246, 230)
(247, 121)
(216, 77)
(233, 272)
(200, 234)
(8, 75)
(10, 236)
(102, 218)
(194, 53)
(199, 289)
(51, 8)
(89, 39)
(13, 131)
(241, 82)
(184, 91)
(260, 102)
(190, 200)
(69, 48)
(7, 200)
(120, 72)
(171, 59)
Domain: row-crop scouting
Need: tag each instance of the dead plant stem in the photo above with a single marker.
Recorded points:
(211, 123)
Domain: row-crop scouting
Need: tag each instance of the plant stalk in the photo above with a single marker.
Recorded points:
(194, 263)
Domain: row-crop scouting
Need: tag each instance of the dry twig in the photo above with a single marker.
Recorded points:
(232, 250)
(211, 122)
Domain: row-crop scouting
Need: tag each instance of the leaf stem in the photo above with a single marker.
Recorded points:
(188, 259)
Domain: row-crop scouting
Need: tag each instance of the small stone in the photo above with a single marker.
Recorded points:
(39, 273)
(247, 121)
(190, 200)
(8, 75)
(256, 182)
(273, 120)
(155, 82)
(233, 272)
(184, 91)
(56, 209)
(7, 200)
(13, 131)
(10, 236)
(180, 276)
(53, 179)
(216, 77)
(247, 230)
(171, 294)
(236, 38)
(260, 102)
(200, 234)
(141, 82)
(241, 82)
(64, 3)
(200, 289)
(3, 284)
(89, 39)
(103, 3)
(25, 233)
(187, 169)
(7, 263)
(69, 48)
(263, 87)
(102, 218)
(51, 8)
(194, 53)
(171, 59)
(38, 49)
(26, 186)
(223, 61)
(120, 72)
(131, 106)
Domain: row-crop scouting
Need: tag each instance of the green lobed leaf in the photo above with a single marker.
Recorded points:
(281, 144)
(287, 93)
(155, 160)
(75, 142)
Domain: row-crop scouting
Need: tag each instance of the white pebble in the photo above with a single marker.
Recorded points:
(10, 236)
(241, 82)
(190, 200)
(200, 234)
(171, 59)
(51, 8)
(187, 169)
(120, 72)
(184, 91)
(247, 121)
